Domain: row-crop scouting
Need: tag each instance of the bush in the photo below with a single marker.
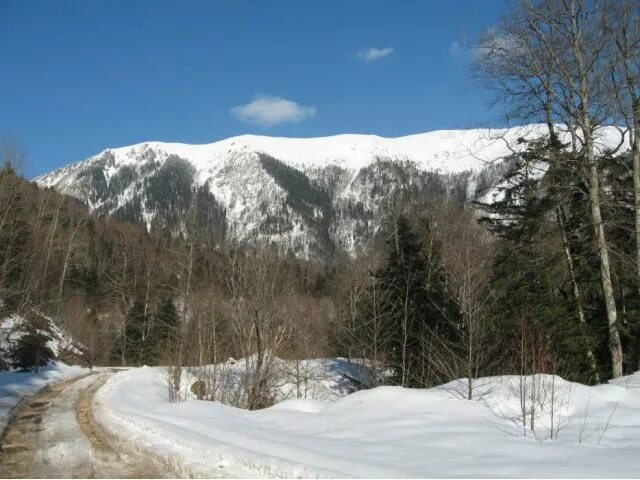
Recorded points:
(31, 352)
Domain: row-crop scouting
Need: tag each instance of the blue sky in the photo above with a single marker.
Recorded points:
(81, 76)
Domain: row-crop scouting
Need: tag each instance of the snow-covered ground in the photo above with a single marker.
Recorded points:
(388, 431)
(13, 384)
(16, 385)
(324, 379)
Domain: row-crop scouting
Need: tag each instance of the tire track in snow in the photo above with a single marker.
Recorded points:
(54, 434)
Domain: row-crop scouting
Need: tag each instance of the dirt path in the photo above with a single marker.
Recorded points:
(54, 435)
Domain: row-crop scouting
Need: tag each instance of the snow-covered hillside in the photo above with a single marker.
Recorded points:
(313, 196)
(14, 327)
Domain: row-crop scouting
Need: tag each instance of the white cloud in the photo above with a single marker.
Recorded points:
(372, 54)
(269, 110)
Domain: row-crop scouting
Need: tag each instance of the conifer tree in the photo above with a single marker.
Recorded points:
(416, 304)
(531, 268)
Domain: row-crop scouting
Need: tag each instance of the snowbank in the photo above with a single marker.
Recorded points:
(384, 432)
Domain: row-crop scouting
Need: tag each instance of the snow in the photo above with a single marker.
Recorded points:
(445, 151)
(385, 432)
(16, 385)
(298, 384)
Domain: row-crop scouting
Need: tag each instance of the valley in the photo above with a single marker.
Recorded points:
(330, 239)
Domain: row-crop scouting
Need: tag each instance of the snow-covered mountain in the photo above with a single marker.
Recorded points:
(312, 196)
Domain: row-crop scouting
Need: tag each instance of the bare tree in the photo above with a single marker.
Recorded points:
(367, 316)
(353, 290)
(120, 286)
(258, 287)
(67, 258)
(12, 229)
(468, 347)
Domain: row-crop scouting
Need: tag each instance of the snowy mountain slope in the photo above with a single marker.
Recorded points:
(312, 196)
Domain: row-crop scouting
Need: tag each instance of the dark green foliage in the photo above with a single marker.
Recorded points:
(531, 269)
(31, 352)
(331, 178)
(302, 195)
(168, 190)
(404, 277)
(534, 289)
(131, 345)
(517, 215)
(147, 338)
(130, 211)
(123, 178)
(98, 271)
(406, 299)
(92, 180)
(487, 176)
(305, 198)
(210, 216)
(411, 184)
(166, 325)
(276, 224)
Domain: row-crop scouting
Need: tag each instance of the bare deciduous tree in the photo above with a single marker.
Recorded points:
(258, 288)
(468, 348)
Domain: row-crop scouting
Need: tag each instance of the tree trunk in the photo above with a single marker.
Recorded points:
(65, 266)
(636, 188)
(575, 287)
(256, 384)
(405, 335)
(615, 346)
(52, 233)
(183, 326)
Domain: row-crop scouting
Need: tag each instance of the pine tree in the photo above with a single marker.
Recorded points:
(165, 331)
(414, 307)
(531, 268)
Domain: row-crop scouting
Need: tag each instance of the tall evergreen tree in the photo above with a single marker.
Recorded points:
(532, 265)
(416, 304)
(166, 325)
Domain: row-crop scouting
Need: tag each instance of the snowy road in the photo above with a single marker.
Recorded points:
(53, 435)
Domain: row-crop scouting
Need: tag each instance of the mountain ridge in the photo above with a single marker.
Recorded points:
(261, 143)
(312, 196)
